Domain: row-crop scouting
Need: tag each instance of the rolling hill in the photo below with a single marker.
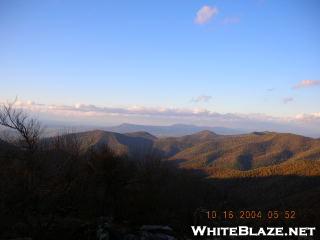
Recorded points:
(255, 154)
(137, 144)
(250, 151)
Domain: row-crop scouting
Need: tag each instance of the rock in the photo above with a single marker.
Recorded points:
(156, 236)
(156, 232)
(103, 232)
(106, 230)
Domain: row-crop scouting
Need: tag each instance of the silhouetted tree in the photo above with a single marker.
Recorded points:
(29, 129)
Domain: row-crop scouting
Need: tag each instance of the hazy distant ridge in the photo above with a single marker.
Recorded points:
(171, 130)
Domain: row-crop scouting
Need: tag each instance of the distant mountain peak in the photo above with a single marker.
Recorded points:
(206, 133)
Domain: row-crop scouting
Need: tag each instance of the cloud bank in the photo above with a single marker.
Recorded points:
(306, 124)
(93, 110)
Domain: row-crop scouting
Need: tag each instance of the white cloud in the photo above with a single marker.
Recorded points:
(304, 117)
(287, 100)
(205, 14)
(201, 98)
(307, 83)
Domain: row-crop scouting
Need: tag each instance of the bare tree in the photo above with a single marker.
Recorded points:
(29, 129)
(70, 142)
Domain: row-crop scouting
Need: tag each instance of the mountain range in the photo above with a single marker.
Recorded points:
(174, 130)
(254, 154)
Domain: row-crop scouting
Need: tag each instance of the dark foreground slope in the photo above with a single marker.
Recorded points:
(75, 184)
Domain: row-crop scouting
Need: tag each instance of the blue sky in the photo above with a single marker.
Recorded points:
(242, 56)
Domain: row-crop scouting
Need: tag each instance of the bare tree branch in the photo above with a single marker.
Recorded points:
(28, 128)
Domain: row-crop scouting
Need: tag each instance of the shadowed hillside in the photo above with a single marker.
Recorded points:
(242, 152)
(217, 154)
(138, 144)
(72, 194)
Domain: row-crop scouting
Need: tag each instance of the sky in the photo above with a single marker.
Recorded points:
(162, 62)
